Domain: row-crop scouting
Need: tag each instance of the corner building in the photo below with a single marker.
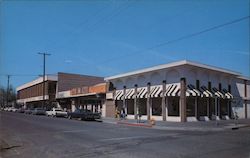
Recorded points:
(179, 92)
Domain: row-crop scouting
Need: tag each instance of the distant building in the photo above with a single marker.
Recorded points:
(57, 90)
(31, 93)
(80, 91)
(180, 91)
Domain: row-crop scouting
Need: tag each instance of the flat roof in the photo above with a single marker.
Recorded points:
(173, 64)
(37, 81)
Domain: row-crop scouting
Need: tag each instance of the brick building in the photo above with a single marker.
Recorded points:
(58, 88)
(31, 94)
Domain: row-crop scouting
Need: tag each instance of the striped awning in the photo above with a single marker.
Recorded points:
(192, 91)
(227, 94)
(130, 93)
(172, 89)
(205, 92)
(217, 93)
(142, 92)
(118, 94)
(155, 91)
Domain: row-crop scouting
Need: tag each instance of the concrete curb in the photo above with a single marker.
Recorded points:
(134, 124)
(238, 127)
(164, 127)
(159, 127)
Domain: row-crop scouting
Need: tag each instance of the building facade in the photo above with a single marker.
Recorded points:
(31, 94)
(79, 91)
(180, 91)
(60, 91)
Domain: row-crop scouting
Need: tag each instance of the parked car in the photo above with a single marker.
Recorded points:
(38, 111)
(14, 109)
(28, 111)
(21, 110)
(9, 109)
(84, 114)
(56, 112)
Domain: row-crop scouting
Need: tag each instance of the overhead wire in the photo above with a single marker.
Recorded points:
(179, 39)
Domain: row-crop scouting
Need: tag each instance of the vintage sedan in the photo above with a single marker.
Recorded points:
(84, 114)
(39, 111)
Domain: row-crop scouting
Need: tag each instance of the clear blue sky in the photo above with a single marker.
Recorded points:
(103, 37)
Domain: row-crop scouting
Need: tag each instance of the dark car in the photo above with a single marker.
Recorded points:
(28, 111)
(39, 111)
(21, 110)
(84, 114)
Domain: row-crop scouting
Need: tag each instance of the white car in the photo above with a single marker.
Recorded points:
(14, 109)
(56, 112)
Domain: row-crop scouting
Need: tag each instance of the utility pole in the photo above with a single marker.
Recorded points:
(44, 58)
(8, 87)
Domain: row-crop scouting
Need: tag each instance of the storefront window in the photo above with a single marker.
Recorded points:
(142, 106)
(202, 106)
(130, 106)
(156, 106)
(119, 104)
(173, 106)
(190, 106)
(224, 107)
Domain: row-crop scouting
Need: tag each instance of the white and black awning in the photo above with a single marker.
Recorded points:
(172, 89)
(130, 93)
(142, 92)
(227, 94)
(217, 93)
(155, 91)
(205, 92)
(192, 91)
(118, 94)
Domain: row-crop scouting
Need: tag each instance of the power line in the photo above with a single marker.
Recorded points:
(182, 38)
(86, 21)
(110, 16)
(18, 75)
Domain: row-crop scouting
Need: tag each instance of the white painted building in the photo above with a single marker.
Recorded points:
(179, 91)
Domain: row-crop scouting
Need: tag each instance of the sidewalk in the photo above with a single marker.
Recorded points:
(221, 125)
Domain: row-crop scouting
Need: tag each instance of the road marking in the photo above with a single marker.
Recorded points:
(138, 137)
(73, 131)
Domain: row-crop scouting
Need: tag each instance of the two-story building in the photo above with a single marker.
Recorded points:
(59, 90)
(32, 94)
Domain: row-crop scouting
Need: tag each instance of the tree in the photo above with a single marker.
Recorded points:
(3, 96)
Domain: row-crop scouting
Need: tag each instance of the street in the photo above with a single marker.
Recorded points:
(29, 136)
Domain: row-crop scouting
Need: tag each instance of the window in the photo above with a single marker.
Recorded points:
(219, 86)
(197, 84)
(229, 88)
(142, 106)
(156, 106)
(209, 86)
(190, 106)
(130, 106)
(173, 106)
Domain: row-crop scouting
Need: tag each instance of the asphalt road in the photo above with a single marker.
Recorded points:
(27, 136)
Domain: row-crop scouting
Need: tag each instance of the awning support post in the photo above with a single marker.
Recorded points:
(163, 103)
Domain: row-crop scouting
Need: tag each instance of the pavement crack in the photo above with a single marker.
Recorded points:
(9, 147)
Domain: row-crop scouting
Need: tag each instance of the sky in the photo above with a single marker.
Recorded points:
(109, 37)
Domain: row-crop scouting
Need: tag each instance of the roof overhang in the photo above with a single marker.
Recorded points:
(37, 81)
(170, 65)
